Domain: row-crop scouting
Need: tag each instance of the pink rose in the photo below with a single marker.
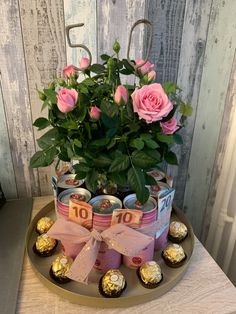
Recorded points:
(66, 99)
(120, 95)
(69, 70)
(170, 126)
(151, 76)
(147, 67)
(94, 112)
(84, 63)
(151, 103)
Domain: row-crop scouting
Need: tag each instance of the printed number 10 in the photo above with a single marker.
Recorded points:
(124, 218)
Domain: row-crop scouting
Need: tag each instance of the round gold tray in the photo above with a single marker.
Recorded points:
(88, 295)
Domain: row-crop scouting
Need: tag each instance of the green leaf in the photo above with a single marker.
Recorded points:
(165, 138)
(48, 139)
(155, 154)
(142, 160)
(128, 66)
(41, 123)
(50, 155)
(83, 88)
(69, 124)
(97, 68)
(81, 167)
(136, 180)
(38, 160)
(77, 143)
(186, 109)
(105, 57)
(110, 109)
(137, 143)
(81, 112)
(109, 122)
(45, 104)
(91, 180)
(145, 136)
(120, 163)
(150, 180)
(178, 138)
(119, 177)
(100, 142)
(102, 161)
(171, 158)
(88, 82)
(111, 132)
(170, 88)
(80, 175)
(51, 95)
(151, 143)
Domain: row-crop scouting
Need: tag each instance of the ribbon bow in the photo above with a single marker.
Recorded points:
(119, 237)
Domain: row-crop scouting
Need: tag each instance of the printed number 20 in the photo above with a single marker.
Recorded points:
(166, 203)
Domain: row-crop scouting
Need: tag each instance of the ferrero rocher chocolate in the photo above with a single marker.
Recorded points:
(150, 274)
(112, 284)
(44, 245)
(44, 224)
(174, 255)
(60, 267)
(177, 231)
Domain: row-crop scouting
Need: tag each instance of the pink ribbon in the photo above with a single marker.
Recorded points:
(119, 237)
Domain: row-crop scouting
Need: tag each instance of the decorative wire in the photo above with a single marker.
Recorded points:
(68, 28)
(149, 25)
(136, 67)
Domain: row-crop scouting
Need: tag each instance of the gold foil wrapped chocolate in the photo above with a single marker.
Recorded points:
(174, 253)
(113, 282)
(44, 224)
(61, 265)
(178, 230)
(150, 273)
(44, 244)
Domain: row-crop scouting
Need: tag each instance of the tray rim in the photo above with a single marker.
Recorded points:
(124, 301)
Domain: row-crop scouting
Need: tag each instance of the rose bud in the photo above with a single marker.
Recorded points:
(69, 70)
(94, 113)
(151, 76)
(147, 67)
(170, 126)
(84, 63)
(151, 103)
(121, 95)
(67, 99)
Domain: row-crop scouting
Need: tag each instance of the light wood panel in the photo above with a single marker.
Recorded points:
(44, 44)
(81, 11)
(7, 176)
(114, 21)
(194, 38)
(215, 79)
(16, 98)
(167, 18)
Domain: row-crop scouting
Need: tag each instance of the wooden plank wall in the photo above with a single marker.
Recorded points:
(193, 45)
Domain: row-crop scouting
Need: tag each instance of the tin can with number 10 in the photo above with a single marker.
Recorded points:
(103, 206)
(149, 216)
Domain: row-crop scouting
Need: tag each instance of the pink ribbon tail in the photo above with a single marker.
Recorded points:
(85, 260)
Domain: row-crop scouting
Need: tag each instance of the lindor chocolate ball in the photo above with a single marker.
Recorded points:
(112, 284)
(150, 274)
(44, 224)
(174, 255)
(177, 231)
(44, 245)
(60, 268)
